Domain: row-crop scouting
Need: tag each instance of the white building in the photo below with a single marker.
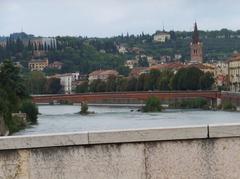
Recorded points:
(67, 80)
(161, 37)
(131, 63)
(122, 49)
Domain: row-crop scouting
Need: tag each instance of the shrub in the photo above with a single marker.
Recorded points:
(84, 108)
(199, 103)
(31, 111)
(152, 105)
(228, 106)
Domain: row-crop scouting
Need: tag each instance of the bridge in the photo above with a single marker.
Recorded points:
(93, 97)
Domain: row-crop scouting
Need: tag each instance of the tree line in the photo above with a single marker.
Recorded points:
(37, 83)
(185, 79)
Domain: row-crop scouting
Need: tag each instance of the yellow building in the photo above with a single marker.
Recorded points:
(234, 73)
(38, 65)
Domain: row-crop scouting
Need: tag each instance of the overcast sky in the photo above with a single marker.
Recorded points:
(103, 18)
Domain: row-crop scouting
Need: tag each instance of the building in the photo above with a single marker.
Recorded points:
(101, 75)
(161, 36)
(43, 43)
(234, 73)
(56, 64)
(221, 73)
(196, 47)
(131, 63)
(38, 64)
(136, 72)
(121, 49)
(67, 81)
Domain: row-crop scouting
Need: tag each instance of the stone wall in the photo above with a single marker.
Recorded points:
(165, 153)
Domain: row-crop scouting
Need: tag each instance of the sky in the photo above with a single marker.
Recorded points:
(106, 18)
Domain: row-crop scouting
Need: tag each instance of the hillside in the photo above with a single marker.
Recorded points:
(88, 54)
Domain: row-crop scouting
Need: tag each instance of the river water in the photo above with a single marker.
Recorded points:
(63, 118)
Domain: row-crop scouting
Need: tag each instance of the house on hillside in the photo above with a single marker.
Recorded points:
(161, 36)
(56, 64)
(101, 75)
(38, 64)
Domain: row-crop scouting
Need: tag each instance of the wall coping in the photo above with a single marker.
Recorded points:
(120, 136)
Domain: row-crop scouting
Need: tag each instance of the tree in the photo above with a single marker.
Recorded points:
(97, 86)
(206, 81)
(143, 62)
(132, 82)
(36, 82)
(154, 75)
(12, 94)
(84, 108)
(187, 79)
(82, 88)
(164, 82)
(31, 111)
(121, 84)
(140, 82)
(123, 70)
(111, 84)
(53, 86)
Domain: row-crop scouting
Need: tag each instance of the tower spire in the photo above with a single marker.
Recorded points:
(195, 36)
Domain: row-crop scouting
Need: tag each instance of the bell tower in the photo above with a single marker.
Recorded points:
(196, 47)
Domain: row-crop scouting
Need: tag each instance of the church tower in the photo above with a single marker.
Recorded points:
(196, 47)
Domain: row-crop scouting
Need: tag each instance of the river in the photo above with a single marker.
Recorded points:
(63, 118)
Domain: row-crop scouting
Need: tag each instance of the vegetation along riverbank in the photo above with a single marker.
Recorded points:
(16, 107)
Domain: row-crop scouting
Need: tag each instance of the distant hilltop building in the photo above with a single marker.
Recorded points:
(196, 47)
(161, 36)
(43, 43)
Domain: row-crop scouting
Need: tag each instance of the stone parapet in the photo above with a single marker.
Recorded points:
(120, 136)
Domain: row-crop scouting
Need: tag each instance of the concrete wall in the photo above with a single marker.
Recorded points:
(165, 153)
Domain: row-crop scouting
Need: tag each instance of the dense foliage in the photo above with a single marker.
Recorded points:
(185, 79)
(192, 79)
(12, 95)
(37, 83)
(31, 110)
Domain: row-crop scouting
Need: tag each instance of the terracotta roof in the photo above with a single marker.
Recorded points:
(200, 66)
(168, 66)
(103, 72)
(138, 70)
(235, 57)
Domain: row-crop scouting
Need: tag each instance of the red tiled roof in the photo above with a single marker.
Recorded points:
(168, 66)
